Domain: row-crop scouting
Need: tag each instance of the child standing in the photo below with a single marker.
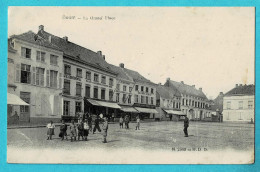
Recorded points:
(73, 131)
(121, 122)
(50, 130)
(137, 123)
(86, 128)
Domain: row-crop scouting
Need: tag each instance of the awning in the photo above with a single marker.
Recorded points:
(105, 104)
(128, 109)
(15, 100)
(174, 112)
(146, 110)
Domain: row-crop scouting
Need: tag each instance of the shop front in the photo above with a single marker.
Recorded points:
(97, 107)
(127, 110)
(147, 113)
(174, 115)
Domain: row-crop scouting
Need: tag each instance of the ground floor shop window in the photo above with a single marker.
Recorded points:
(66, 108)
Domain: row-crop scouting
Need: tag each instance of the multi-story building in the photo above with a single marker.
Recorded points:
(89, 83)
(194, 102)
(124, 92)
(238, 104)
(143, 94)
(35, 75)
(168, 103)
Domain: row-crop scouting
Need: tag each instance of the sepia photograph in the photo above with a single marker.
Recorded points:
(131, 85)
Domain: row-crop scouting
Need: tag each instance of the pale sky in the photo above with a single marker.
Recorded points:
(212, 48)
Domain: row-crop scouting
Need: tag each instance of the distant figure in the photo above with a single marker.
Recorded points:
(105, 128)
(113, 117)
(137, 123)
(50, 130)
(121, 122)
(16, 116)
(96, 127)
(170, 117)
(126, 122)
(73, 131)
(101, 116)
(186, 125)
(85, 129)
(63, 130)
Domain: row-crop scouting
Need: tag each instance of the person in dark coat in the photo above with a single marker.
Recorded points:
(63, 130)
(105, 128)
(81, 130)
(96, 127)
(90, 122)
(127, 122)
(186, 125)
(86, 129)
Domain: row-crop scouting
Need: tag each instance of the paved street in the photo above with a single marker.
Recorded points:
(154, 135)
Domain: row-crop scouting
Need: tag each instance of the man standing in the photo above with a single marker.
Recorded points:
(105, 128)
(96, 127)
(186, 125)
(126, 122)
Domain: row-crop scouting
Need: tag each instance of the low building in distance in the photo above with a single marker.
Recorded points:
(238, 104)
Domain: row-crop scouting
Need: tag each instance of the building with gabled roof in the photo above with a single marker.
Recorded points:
(194, 102)
(168, 103)
(238, 104)
(35, 75)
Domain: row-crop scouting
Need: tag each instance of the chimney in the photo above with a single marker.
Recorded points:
(182, 82)
(236, 85)
(66, 38)
(99, 53)
(193, 86)
(221, 93)
(122, 65)
(104, 57)
(41, 28)
(200, 89)
(168, 79)
(50, 38)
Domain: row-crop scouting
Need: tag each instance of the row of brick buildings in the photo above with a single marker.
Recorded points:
(59, 79)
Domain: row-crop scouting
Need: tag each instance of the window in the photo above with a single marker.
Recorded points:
(95, 92)
(147, 89)
(136, 88)
(129, 99)
(118, 87)
(25, 73)
(111, 82)
(96, 77)
(53, 60)
(111, 95)
(142, 88)
(142, 99)
(124, 88)
(78, 89)
(66, 108)
(240, 105)
(25, 96)
(26, 52)
(186, 102)
(117, 97)
(146, 100)
(66, 87)
(79, 72)
(53, 79)
(67, 69)
(152, 90)
(195, 104)
(183, 102)
(87, 91)
(103, 80)
(136, 98)
(88, 75)
(124, 98)
(40, 76)
(78, 107)
(40, 56)
(130, 89)
(250, 104)
(103, 94)
(228, 105)
(152, 100)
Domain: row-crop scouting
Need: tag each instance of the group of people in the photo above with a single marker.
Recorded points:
(79, 130)
(126, 120)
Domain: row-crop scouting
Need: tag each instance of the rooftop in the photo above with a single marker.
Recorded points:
(167, 92)
(242, 90)
(120, 72)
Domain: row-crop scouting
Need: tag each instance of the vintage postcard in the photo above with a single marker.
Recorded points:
(131, 85)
